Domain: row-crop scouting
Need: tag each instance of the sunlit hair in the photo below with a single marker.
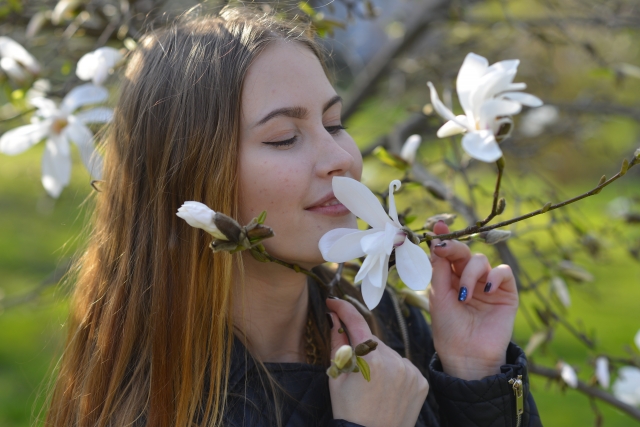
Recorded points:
(150, 328)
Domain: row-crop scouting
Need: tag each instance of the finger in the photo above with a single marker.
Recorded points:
(357, 327)
(502, 278)
(457, 253)
(477, 270)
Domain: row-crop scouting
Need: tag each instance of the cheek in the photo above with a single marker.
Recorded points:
(274, 186)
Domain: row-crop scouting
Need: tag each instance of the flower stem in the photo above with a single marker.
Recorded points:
(296, 268)
(496, 194)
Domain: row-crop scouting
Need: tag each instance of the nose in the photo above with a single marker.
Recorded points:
(332, 157)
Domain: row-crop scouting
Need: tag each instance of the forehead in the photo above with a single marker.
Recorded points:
(285, 74)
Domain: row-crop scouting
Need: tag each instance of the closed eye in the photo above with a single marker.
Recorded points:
(334, 130)
(283, 143)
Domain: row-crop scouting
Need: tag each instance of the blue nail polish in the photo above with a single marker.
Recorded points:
(441, 245)
(487, 287)
(463, 294)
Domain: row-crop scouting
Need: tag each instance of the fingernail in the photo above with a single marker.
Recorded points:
(487, 287)
(440, 221)
(332, 297)
(330, 319)
(441, 245)
(463, 294)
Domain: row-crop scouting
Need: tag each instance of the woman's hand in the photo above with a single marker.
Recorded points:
(472, 328)
(397, 389)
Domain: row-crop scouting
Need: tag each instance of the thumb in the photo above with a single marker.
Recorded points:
(356, 326)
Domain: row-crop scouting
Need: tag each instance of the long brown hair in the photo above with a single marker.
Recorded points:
(150, 324)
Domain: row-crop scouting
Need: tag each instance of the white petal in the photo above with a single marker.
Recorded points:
(438, 105)
(9, 48)
(83, 138)
(95, 115)
(374, 244)
(360, 200)
(199, 215)
(393, 212)
(569, 375)
(371, 294)
(21, 138)
(490, 85)
(56, 167)
(523, 98)
(12, 69)
(481, 145)
(343, 244)
(627, 386)
(413, 265)
(496, 108)
(410, 147)
(636, 339)
(471, 71)
(451, 128)
(45, 106)
(602, 371)
(87, 65)
(83, 95)
(369, 262)
(379, 271)
(516, 86)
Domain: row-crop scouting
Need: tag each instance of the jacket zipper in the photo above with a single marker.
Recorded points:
(516, 384)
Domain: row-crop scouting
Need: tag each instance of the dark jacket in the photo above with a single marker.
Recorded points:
(304, 398)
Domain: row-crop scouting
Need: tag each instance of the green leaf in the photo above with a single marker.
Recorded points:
(306, 8)
(262, 217)
(390, 159)
(364, 368)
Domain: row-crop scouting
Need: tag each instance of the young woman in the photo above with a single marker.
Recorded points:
(236, 111)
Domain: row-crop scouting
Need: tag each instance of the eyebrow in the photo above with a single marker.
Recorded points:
(297, 112)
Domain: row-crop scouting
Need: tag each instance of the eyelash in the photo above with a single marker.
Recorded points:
(333, 130)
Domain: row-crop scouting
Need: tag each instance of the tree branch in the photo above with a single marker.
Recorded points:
(593, 392)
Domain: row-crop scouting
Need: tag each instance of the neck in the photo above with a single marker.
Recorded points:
(271, 308)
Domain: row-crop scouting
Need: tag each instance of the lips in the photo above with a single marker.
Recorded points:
(328, 205)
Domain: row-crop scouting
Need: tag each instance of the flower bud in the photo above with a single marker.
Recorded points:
(637, 154)
(410, 147)
(343, 356)
(413, 298)
(229, 228)
(199, 215)
(602, 371)
(576, 272)
(568, 375)
(432, 221)
(493, 237)
(502, 203)
(560, 288)
(366, 347)
(333, 371)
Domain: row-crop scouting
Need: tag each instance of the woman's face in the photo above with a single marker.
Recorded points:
(291, 146)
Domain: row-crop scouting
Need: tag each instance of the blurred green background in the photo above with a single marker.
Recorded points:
(576, 54)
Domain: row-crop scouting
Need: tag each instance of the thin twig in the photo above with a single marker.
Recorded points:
(296, 268)
(549, 207)
(496, 193)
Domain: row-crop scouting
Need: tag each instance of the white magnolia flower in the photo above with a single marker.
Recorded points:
(636, 339)
(410, 148)
(377, 243)
(602, 371)
(59, 125)
(488, 97)
(627, 387)
(199, 215)
(535, 121)
(97, 65)
(560, 288)
(568, 375)
(343, 356)
(16, 62)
